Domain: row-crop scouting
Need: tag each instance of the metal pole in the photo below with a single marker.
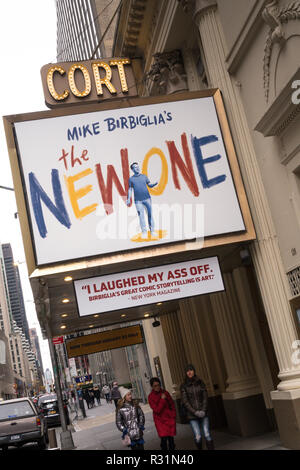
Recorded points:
(57, 385)
(66, 435)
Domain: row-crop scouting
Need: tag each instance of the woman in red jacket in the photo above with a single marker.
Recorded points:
(164, 414)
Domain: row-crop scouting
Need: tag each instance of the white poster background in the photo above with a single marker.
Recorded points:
(40, 144)
(147, 286)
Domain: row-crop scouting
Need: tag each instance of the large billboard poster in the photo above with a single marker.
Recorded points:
(119, 179)
(148, 286)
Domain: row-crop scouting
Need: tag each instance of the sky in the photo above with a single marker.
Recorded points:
(27, 42)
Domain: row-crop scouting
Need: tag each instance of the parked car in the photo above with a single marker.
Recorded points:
(20, 423)
(48, 406)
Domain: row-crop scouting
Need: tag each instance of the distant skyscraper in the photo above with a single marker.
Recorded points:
(35, 346)
(78, 32)
(48, 380)
(15, 290)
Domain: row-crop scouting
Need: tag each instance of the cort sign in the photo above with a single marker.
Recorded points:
(88, 81)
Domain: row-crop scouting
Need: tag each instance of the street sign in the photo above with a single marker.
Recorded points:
(104, 341)
(58, 340)
(84, 380)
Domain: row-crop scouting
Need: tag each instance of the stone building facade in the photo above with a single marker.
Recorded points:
(243, 342)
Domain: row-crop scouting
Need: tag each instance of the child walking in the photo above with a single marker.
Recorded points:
(130, 420)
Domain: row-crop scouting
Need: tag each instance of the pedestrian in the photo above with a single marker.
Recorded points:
(92, 397)
(130, 420)
(86, 396)
(195, 401)
(106, 392)
(115, 394)
(164, 414)
(97, 395)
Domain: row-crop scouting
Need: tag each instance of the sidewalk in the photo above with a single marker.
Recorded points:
(98, 432)
(105, 413)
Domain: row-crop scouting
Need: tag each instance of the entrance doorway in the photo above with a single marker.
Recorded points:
(226, 337)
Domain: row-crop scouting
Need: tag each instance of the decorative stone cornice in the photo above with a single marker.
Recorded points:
(274, 17)
(134, 24)
(167, 72)
(281, 112)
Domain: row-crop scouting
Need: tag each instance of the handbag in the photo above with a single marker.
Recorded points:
(126, 441)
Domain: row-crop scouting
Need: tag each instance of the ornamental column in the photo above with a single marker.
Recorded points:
(201, 344)
(192, 335)
(241, 375)
(265, 250)
(243, 399)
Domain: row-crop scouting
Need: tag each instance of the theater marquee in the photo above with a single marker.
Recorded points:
(139, 174)
(85, 199)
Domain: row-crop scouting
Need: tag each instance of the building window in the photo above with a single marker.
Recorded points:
(294, 281)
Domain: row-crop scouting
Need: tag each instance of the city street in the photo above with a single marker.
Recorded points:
(98, 432)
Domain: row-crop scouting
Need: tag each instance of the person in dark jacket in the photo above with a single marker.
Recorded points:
(164, 414)
(130, 419)
(115, 394)
(91, 397)
(97, 395)
(87, 398)
(195, 401)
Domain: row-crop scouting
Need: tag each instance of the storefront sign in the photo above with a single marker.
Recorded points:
(58, 340)
(84, 380)
(105, 341)
(148, 286)
(89, 81)
(120, 179)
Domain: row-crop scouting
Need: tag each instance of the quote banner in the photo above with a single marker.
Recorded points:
(148, 286)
